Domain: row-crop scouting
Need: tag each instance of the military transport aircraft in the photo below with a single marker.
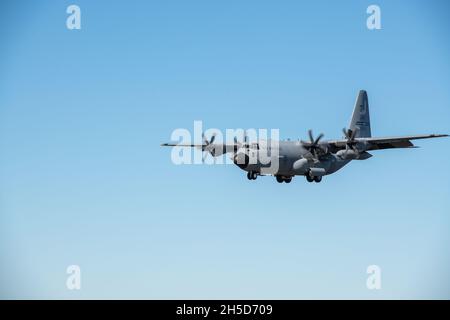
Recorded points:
(314, 158)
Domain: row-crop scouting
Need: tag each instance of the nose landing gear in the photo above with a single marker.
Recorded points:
(251, 175)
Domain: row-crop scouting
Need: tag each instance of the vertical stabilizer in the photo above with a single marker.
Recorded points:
(360, 117)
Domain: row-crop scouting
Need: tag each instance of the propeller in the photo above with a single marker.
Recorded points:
(208, 146)
(351, 142)
(313, 145)
(238, 145)
(207, 143)
(354, 148)
(241, 158)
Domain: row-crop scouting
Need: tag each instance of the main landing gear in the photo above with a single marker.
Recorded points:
(315, 178)
(251, 175)
(281, 179)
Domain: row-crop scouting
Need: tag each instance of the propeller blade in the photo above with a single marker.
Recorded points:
(213, 137)
(353, 134)
(318, 138)
(310, 134)
(236, 145)
(205, 141)
(349, 134)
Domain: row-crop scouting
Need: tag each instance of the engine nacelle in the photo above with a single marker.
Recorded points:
(347, 154)
(301, 165)
(353, 155)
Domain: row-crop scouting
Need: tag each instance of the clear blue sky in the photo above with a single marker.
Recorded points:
(83, 180)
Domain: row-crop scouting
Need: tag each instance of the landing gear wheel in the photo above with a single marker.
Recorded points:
(309, 178)
(251, 175)
(317, 179)
(288, 180)
(279, 179)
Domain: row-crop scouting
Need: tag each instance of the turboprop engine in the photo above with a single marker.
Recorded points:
(354, 149)
(347, 154)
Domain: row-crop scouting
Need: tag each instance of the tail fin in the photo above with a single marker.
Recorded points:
(360, 117)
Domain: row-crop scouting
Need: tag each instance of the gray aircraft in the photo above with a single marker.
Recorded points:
(314, 158)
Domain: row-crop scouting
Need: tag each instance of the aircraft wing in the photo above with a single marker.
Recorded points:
(385, 142)
(216, 149)
(183, 145)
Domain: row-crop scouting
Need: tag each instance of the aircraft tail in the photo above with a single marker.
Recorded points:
(360, 117)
